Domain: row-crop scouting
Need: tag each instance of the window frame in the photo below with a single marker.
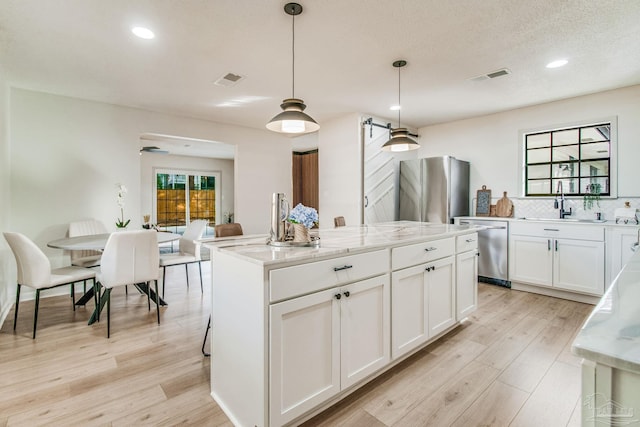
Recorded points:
(188, 172)
(613, 156)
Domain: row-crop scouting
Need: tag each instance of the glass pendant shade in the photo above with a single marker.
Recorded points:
(400, 141)
(293, 119)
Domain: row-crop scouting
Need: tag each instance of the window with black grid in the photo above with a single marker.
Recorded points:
(578, 157)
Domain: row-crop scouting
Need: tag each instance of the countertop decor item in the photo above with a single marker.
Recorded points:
(122, 191)
(591, 196)
(626, 215)
(504, 206)
(303, 218)
(483, 202)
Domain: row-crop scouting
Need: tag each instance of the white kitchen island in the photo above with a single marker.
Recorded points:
(297, 329)
(609, 342)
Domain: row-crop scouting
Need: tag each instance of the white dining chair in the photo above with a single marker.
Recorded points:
(188, 253)
(129, 257)
(34, 271)
(86, 258)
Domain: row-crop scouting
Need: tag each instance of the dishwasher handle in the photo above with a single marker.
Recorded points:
(486, 227)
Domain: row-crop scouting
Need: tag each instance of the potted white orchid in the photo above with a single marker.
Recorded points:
(122, 191)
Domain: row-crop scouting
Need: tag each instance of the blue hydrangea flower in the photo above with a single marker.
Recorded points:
(304, 215)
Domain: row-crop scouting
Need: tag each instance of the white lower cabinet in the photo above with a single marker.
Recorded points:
(423, 304)
(440, 282)
(551, 260)
(579, 265)
(324, 342)
(531, 260)
(466, 284)
(619, 241)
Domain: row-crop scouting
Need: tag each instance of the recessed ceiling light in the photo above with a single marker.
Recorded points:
(558, 63)
(143, 33)
(395, 107)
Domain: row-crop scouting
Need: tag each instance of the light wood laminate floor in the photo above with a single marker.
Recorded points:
(509, 364)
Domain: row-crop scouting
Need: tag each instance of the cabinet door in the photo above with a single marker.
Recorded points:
(365, 329)
(579, 265)
(440, 282)
(466, 284)
(408, 310)
(305, 354)
(531, 260)
(619, 249)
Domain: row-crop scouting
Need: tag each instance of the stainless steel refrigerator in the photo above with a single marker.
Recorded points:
(434, 189)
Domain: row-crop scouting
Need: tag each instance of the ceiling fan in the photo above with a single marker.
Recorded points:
(152, 149)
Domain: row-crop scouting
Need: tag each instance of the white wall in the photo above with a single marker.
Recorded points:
(7, 264)
(340, 170)
(149, 162)
(491, 143)
(67, 154)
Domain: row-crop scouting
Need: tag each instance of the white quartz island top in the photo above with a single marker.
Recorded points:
(335, 241)
(611, 334)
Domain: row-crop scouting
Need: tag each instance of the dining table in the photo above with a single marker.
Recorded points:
(97, 242)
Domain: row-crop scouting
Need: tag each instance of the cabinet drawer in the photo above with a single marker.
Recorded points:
(306, 278)
(554, 229)
(406, 256)
(465, 243)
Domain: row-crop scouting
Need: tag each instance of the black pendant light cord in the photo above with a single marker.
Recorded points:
(293, 56)
(399, 104)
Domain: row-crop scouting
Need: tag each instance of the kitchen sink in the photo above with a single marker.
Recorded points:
(593, 221)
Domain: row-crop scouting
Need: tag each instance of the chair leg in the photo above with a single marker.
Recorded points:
(186, 271)
(148, 298)
(96, 297)
(107, 292)
(157, 301)
(164, 275)
(206, 334)
(73, 295)
(200, 268)
(15, 315)
(35, 314)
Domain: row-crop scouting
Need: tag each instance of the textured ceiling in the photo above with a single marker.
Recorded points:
(344, 51)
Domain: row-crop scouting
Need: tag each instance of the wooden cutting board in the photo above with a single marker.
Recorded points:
(504, 207)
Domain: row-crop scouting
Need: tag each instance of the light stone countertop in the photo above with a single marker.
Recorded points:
(336, 241)
(611, 334)
(570, 220)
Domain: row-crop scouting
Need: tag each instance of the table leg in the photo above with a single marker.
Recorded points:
(84, 299)
(94, 315)
(142, 287)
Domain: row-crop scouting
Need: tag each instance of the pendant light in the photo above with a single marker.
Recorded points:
(400, 140)
(293, 120)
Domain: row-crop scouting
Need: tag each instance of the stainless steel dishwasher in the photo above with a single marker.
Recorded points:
(493, 248)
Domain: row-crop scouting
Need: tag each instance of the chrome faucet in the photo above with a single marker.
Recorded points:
(560, 192)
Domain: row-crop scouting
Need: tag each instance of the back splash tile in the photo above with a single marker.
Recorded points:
(543, 208)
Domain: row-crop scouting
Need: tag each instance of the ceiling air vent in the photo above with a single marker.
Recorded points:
(492, 75)
(229, 80)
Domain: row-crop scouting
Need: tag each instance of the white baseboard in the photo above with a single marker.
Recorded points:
(552, 292)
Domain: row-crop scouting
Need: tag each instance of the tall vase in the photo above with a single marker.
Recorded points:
(301, 234)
